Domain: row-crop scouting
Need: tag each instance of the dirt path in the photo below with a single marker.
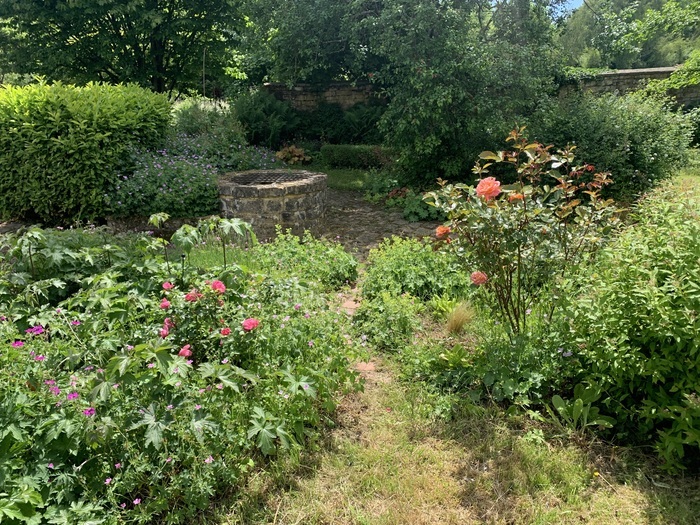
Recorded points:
(384, 465)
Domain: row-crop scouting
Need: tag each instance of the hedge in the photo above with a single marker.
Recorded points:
(355, 156)
(61, 146)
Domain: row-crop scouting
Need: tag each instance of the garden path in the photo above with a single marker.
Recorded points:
(360, 225)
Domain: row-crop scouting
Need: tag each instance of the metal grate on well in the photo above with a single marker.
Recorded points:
(253, 179)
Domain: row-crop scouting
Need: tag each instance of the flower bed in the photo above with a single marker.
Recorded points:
(151, 389)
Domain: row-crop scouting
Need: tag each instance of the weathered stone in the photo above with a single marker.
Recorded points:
(293, 199)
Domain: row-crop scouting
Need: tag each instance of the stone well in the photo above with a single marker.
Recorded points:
(294, 199)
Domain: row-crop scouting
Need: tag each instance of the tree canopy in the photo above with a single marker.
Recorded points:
(621, 34)
(162, 44)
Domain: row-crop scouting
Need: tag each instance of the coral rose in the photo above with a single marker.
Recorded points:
(488, 188)
(479, 278)
(250, 324)
(441, 232)
(515, 197)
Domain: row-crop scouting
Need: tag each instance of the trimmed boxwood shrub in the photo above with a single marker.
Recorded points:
(355, 156)
(61, 146)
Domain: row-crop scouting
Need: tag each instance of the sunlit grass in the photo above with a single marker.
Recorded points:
(394, 460)
(342, 178)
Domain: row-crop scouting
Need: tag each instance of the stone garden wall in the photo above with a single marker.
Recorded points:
(307, 97)
(626, 80)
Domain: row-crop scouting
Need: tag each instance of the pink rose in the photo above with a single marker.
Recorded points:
(218, 286)
(226, 331)
(193, 296)
(164, 304)
(488, 188)
(168, 285)
(250, 324)
(479, 278)
(185, 351)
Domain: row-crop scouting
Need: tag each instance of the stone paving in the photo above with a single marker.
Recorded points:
(360, 225)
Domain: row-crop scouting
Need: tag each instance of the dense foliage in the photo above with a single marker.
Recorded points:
(179, 185)
(408, 266)
(517, 240)
(638, 138)
(148, 389)
(355, 156)
(61, 146)
(620, 34)
(161, 45)
(632, 327)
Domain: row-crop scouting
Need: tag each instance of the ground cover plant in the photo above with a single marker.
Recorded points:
(180, 177)
(152, 387)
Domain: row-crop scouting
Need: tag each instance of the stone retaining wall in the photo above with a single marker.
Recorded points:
(307, 97)
(297, 205)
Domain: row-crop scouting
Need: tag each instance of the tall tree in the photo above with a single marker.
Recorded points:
(163, 44)
(622, 34)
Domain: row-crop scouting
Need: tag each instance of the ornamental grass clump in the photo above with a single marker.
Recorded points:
(516, 240)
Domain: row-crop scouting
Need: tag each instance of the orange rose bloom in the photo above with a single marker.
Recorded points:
(479, 278)
(488, 188)
(515, 197)
(442, 232)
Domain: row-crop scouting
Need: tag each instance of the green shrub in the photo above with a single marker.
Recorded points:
(60, 146)
(223, 154)
(325, 122)
(387, 321)
(411, 266)
(634, 325)
(640, 140)
(331, 124)
(355, 156)
(266, 120)
(179, 185)
(311, 259)
(518, 240)
(362, 123)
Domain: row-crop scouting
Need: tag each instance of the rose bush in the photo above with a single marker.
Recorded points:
(518, 239)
